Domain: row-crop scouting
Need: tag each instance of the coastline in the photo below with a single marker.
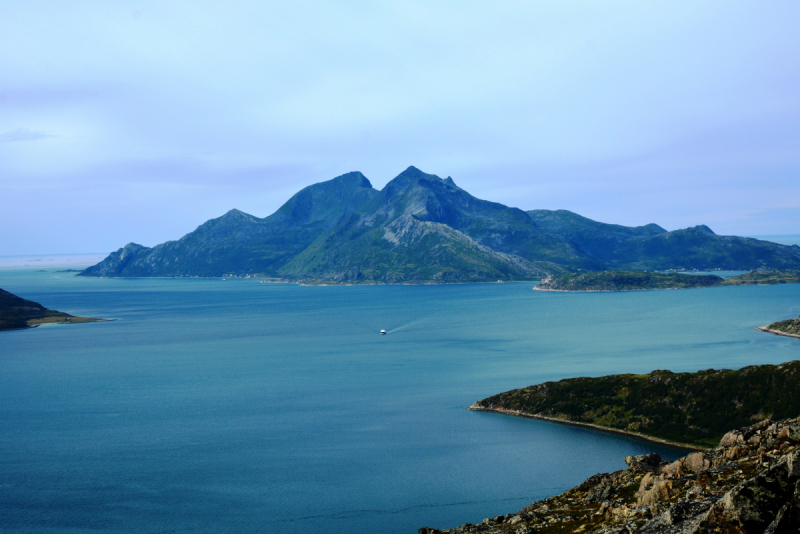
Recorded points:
(537, 288)
(776, 332)
(633, 435)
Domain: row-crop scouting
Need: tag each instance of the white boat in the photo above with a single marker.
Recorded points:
(383, 332)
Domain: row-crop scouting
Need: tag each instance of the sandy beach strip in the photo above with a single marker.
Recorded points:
(633, 435)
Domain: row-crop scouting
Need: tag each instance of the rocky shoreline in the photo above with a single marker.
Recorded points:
(750, 483)
(776, 332)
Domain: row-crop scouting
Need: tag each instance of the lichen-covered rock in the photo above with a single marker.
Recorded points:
(750, 484)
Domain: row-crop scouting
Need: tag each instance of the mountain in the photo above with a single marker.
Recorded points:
(422, 228)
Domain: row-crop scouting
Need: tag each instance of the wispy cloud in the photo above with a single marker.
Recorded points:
(23, 134)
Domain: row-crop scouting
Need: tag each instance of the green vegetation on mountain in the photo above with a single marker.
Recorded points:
(16, 313)
(691, 408)
(421, 228)
(625, 281)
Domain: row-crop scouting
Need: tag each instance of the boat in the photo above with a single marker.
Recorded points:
(383, 332)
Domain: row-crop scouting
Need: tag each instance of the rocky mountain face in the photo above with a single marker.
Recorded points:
(424, 228)
(749, 484)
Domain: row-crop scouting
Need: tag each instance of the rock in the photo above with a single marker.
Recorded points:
(733, 489)
(696, 462)
(643, 463)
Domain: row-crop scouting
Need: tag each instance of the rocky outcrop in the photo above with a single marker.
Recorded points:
(749, 484)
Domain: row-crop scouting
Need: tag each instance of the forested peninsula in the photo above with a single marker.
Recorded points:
(690, 409)
(640, 280)
(17, 313)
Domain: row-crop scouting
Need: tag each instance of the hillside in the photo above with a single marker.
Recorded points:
(422, 228)
(17, 313)
(690, 408)
(748, 484)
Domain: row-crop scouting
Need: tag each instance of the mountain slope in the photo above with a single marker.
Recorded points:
(244, 244)
(700, 248)
(599, 240)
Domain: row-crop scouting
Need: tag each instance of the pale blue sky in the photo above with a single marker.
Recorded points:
(138, 121)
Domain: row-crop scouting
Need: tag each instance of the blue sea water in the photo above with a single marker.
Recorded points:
(233, 406)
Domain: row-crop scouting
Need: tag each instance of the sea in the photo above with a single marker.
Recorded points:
(212, 405)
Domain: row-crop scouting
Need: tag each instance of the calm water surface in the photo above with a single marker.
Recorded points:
(234, 406)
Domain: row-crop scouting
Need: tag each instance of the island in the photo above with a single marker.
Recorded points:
(642, 280)
(17, 313)
(745, 480)
(423, 229)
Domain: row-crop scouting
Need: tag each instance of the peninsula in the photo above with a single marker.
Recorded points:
(790, 328)
(17, 313)
(421, 228)
(688, 409)
(639, 280)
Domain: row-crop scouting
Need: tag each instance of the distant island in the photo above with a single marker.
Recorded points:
(638, 280)
(687, 409)
(424, 229)
(17, 313)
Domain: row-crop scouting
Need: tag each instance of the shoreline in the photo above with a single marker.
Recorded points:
(537, 288)
(776, 332)
(632, 435)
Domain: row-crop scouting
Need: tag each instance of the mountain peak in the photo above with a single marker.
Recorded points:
(702, 228)
(354, 178)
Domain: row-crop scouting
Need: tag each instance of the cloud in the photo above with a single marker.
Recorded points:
(23, 134)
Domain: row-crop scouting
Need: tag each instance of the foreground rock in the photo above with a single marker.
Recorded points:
(749, 484)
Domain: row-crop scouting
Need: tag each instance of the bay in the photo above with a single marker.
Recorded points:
(235, 406)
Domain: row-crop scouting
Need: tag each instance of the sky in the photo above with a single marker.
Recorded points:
(138, 121)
